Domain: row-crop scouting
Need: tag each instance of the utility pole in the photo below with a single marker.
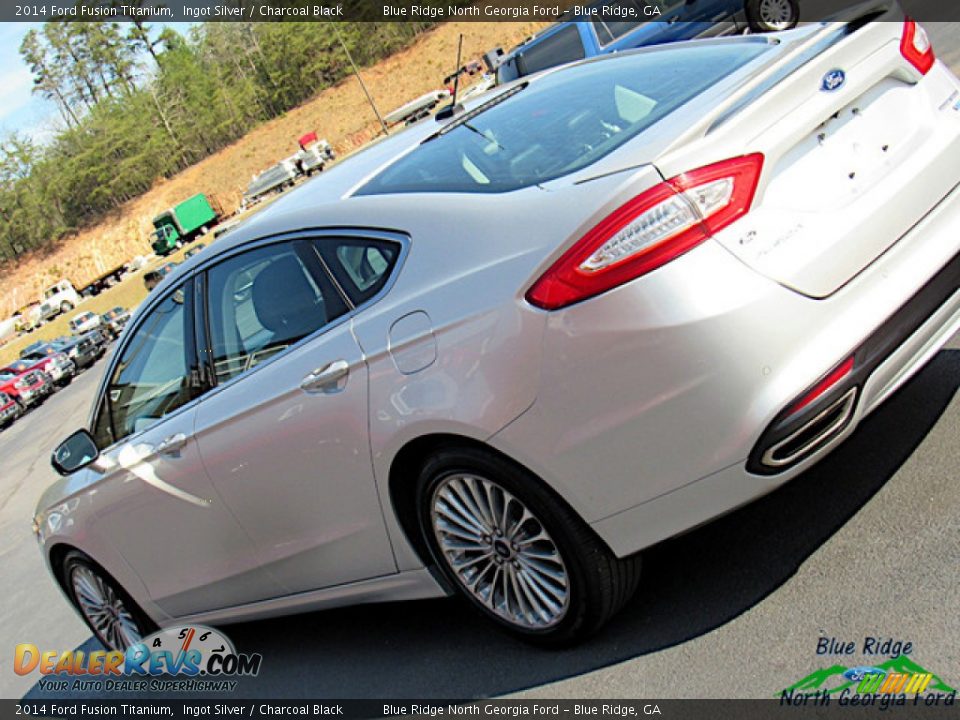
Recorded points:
(362, 84)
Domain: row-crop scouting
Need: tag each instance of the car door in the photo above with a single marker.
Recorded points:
(626, 24)
(710, 18)
(284, 434)
(161, 512)
(560, 46)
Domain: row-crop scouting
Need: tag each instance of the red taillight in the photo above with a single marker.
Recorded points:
(915, 47)
(649, 231)
(832, 378)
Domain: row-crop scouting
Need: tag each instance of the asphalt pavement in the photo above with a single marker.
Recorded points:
(864, 545)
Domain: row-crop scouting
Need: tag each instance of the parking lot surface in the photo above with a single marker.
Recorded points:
(864, 546)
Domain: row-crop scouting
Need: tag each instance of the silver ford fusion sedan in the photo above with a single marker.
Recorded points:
(501, 353)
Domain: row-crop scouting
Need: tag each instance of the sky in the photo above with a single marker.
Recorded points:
(21, 110)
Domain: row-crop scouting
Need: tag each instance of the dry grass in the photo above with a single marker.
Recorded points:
(129, 293)
(340, 114)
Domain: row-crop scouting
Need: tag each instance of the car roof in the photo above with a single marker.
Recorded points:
(330, 199)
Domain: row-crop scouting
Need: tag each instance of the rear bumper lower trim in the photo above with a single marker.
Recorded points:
(870, 354)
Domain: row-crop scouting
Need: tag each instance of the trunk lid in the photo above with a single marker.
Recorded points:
(858, 147)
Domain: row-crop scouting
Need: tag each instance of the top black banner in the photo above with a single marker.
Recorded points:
(600, 11)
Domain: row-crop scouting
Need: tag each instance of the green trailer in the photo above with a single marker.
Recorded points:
(182, 223)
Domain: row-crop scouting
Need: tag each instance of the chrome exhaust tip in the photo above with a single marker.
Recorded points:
(813, 434)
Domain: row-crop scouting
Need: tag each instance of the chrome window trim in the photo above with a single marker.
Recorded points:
(314, 234)
(115, 358)
(308, 234)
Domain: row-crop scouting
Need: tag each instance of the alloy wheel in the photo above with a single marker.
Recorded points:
(499, 551)
(104, 609)
(776, 14)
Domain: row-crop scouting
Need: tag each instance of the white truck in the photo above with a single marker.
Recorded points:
(60, 297)
(314, 153)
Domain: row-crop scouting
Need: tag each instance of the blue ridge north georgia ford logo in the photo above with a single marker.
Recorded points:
(833, 80)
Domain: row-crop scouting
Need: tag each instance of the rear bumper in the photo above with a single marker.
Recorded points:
(891, 350)
(33, 395)
(728, 489)
(653, 396)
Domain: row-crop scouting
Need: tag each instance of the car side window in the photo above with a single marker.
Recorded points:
(263, 301)
(562, 47)
(361, 266)
(155, 375)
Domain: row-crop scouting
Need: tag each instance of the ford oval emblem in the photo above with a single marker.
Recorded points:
(833, 80)
(856, 674)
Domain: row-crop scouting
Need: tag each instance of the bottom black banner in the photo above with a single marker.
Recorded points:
(888, 706)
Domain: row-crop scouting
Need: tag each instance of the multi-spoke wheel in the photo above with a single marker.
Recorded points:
(772, 15)
(107, 609)
(500, 551)
(516, 551)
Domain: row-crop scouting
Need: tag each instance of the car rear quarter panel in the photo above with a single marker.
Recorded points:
(453, 348)
(450, 349)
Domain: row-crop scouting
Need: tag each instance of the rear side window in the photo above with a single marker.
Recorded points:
(361, 266)
(562, 122)
(263, 301)
(610, 30)
(562, 47)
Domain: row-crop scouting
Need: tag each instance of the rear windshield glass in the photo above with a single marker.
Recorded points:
(562, 122)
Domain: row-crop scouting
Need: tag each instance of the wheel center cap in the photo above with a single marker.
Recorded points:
(502, 548)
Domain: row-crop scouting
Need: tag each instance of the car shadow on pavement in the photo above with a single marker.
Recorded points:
(691, 585)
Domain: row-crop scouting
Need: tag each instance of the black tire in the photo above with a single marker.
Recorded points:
(66, 306)
(598, 583)
(75, 562)
(772, 15)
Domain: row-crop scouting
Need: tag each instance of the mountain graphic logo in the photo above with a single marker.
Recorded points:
(899, 674)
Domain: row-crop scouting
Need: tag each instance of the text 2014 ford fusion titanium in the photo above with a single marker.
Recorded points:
(502, 353)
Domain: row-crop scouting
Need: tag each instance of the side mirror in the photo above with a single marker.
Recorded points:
(74, 453)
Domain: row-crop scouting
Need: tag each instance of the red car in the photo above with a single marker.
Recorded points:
(9, 410)
(26, 387)
(56, 365)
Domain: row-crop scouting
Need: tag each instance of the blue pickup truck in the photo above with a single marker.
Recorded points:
(597, 30)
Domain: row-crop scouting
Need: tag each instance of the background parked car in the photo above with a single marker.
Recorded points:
(153, 278)
(569, 41)
(100, 337)
(84, 351)
(194, 250)
(58, 367)
(27, 388)
(84, 322)
(9, 410)
(40, 346)
(114, 320)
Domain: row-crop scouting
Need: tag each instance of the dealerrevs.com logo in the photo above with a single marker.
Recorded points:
(180, 658)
